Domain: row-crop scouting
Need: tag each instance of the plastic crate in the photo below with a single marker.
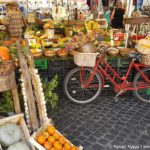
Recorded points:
(43, 74)
(52, 71)
(41, 63)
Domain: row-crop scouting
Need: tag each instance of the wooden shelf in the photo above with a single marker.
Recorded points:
(137, 20)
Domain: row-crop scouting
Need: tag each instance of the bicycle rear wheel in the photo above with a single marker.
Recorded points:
(74, 90)
(142, 94)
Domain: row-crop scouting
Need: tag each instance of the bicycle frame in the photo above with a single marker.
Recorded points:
(124, 85)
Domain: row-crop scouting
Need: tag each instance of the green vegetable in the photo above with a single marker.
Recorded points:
(7, 105)
(13, 51)
(107, 38)
(50, 95)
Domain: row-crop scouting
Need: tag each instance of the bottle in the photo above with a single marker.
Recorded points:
(76, 14)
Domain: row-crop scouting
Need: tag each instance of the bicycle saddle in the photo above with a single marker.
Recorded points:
(134, 55)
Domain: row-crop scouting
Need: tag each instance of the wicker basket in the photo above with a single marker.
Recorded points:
(38, 54)
(85, 59)
(6, 67)
(49, 53)
(145, 59)
(62, 53)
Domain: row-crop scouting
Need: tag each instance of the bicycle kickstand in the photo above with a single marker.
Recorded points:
(116, 97)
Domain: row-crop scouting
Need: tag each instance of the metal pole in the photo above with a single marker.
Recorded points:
(127, 27)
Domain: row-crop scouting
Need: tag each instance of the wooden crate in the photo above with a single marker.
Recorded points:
(43, 127)
(19, 120)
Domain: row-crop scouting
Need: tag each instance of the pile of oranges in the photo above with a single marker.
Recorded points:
(50, 139)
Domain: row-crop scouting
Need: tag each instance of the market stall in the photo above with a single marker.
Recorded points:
(47, 48)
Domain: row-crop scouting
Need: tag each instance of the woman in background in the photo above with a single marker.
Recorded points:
(117, 16)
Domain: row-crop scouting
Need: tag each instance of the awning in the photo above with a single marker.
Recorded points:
(8, 1)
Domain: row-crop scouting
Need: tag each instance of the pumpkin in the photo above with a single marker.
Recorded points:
(19, 146)
(4, 53)
(9, 134)
(23, 42)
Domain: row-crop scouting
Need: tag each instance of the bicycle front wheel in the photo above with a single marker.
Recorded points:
(73, 87)
(142, 94)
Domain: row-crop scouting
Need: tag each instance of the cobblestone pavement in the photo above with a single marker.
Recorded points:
(105, 124)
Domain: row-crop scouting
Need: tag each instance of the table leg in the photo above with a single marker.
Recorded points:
(16, 100)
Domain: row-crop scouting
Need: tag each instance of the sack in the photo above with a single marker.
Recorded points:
(87, 48)
(144, 46)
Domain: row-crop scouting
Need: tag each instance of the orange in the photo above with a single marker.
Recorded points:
(67, 146)
(73, 148)
(47, 145)
(45, 134)
(41, 139)
(23, 42)
(57, 145)
(62, 140)
(52, 148)
(64, 148)
(4, 53)
(51, 130)
(51, 139)
(56, 136)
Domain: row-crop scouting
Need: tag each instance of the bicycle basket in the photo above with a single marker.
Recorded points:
(145, 59)
(85, 59)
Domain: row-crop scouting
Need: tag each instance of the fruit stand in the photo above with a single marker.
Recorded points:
(49, 48)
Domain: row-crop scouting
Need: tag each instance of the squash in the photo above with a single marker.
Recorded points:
(4, 53)
(19, 146)
(9, 134)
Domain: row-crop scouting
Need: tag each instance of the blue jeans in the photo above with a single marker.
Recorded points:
(139, 4)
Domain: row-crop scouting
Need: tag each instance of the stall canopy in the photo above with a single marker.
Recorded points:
(7, 1)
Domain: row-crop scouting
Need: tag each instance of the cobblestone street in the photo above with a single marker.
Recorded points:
(105, 124)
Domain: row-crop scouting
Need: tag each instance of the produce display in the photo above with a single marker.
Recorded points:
(92, 25)
(90, 32)
(49, 52)
(58, 45)
(4, 53)
(48, 138)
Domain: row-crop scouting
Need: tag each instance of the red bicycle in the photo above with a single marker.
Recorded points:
(84, 84)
